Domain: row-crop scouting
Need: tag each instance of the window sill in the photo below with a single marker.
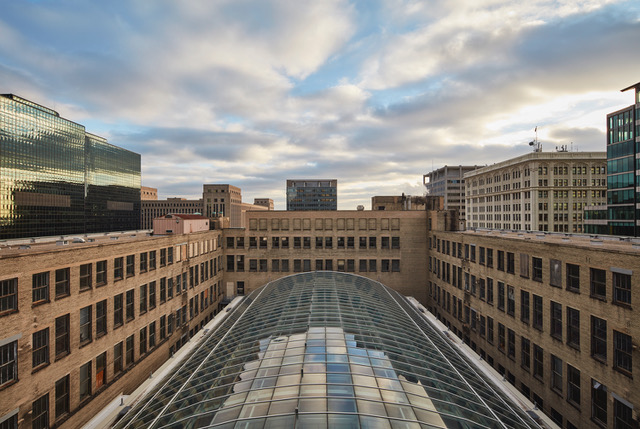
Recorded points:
(39, 303)
(40, 367)
(85, 343)
(623, 372)
(61, 356)
(8, 312)
(622, 304)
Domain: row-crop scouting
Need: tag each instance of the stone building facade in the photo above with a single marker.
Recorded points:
(554, 314)
(82, 322)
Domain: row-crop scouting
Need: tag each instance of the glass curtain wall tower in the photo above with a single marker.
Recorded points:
(56, 179)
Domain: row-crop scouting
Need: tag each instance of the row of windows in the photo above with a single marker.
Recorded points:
(324, 224)
(237, 263)
(319, 242)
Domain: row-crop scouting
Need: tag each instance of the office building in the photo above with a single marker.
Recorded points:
(84, 320)
(539, 191)
(326, 350)
(57, 179)
(148, 194)
(448, 182)
(226, 201)
(152, 209)
(312, 195)
(265, 202)
(555, 314)
(623, 147)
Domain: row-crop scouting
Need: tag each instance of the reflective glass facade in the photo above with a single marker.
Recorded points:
(325, 349)
(312, 195)
(56, 179)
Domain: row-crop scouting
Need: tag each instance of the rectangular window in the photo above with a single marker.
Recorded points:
(556, 373)
(489, 290)
(152, 260)
(163, 327)
(511, 343)
(622, 415)
(85, 324)
(62, 336)
(537, 312)
(62, 396)
(8, 295)
(129, 352)
(501, 260)
(525, 353)
(101, 318)
(373, 265)
(163, 257)
(511, 301)
(538, 361)
(573, 385)
(86, 276)
(536, 274)
(362, 265)
(39, 413)
(573, 327)
(85, 381)
(598, 283)
(62, 282)
(143, 340)
(101, 370)
(101, 273)
(152, 294)
(599, 403)
(489, 329)
(384, 265)
(621, 288)
(40, 287)
(170, 255)
(501, 338)
(117, 311)
(395, 265)
(489, 258)
(372, 243)
(524, 307)
(511, 263)
(599, 338)
(143, 299)
(118, 267)
(556, 320)
(130, 309)
(622, 347)
(395, 242)
(384, 242)
(573, 277)
(143, 262)
(40, 348)
(501, 292)
(117, 359)
(152, 335)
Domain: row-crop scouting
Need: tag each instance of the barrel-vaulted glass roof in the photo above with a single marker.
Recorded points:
(326, 349)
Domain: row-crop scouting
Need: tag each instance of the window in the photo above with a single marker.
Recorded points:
(306, 242)
(538, 361)
(163, 257)
(40, 348)
(163, 327)
(117, 359)
(152, 335)
(395, 242)
(85, 324)
(62, 282)
(40, 413)
(143, 262)
(130, 305)
(489, 329)
(622, 415)
(573, 277)
(117, 311)
(511, 343)
(143, 299)
(598, 402)
(372, 243)
(537, 312)
(362, 264)
(101, 318)
(170, 255)
(152, 260)
(101, 370)
(622, 347)
(524, 306)
(489, 290)
(536, 274)
(501, 260)
(511, 262)
(62, 336)
(490, 258)
(573, 385)
(62, 396)
(573, 327)
(118, 269)
(511, 301)
(395, 265)
(8, 363)
(556, 373)
(501, 296)
(143, 340)
(101, 273)
(599, 339)
(40, 283)
(384, 265)
(8, 295)
(85, 381)
(372, 265)
(131, 265)
(129, 351)
(384, 242)
(525, 353)
(86, 276)
(556, 320)
(501, 337)
(598, 283)
(621, 288)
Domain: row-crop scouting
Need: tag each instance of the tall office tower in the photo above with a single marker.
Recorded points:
(539, 191)
(326, 350)
(623, 145)
(448, 182)
(57, 179)
(312, 195)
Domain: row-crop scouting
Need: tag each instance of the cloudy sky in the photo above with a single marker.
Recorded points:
(372, 93)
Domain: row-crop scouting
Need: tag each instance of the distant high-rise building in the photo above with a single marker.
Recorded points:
(539, 191)
(448, 182)
(57, 179)
(623, 141)
(152, 209)
(221, 200)
(148, 194)
(312, 195)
